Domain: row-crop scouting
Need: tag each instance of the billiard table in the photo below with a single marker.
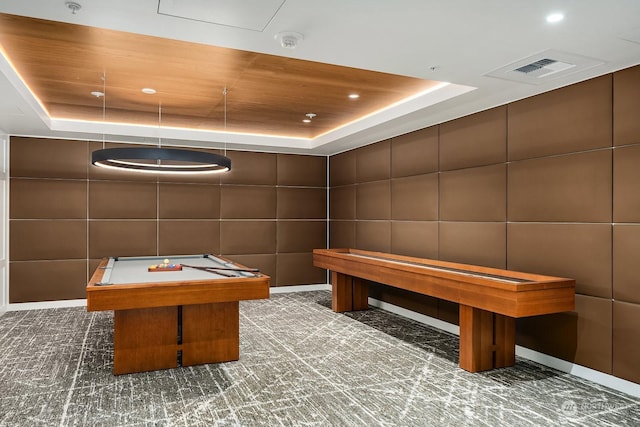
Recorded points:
(166, 319)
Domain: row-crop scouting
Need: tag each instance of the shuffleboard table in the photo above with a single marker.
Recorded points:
(490, 299)
(165, 318)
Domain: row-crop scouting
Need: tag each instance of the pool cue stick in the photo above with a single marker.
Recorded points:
(212, 271)
(198, 267)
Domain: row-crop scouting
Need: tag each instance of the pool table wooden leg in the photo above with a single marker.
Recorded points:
(487, 340)
(144, 339)
(210, 333)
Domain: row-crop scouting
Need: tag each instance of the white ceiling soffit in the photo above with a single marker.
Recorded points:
(544, 66)
(252, 15)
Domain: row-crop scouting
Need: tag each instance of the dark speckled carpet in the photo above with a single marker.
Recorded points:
(300, 365)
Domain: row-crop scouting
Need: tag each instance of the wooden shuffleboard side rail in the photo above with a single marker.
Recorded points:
(528, 295)
(168, 294)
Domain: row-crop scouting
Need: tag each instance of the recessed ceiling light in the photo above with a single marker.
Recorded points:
(97, 93)
(148, 91)
(306, 120)
(555, 17)
(354, 96)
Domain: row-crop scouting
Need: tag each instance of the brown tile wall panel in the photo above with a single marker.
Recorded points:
(594, 332)
(415, 238)
(265, 263)
(342, 169)
(626, 253)
(342, 234)
(626, 104)
(122, 238)
(626, 350)
(415, 198)
(188, 237)
(305, 171)
(410, 300)
(48, 158)
(570, 119)
(47, 240)
(476, 140)
(47, 280)
(47, 199)
(373, 235)
(247, 201)
(298, 269)
(553, 334)
(182, 201)
(123, 200)
(373, 162)
(342, 202)
(571, 188)
(477, 243)
(301, 236)
(577, 251)
(415, 153)
(251, 168)
(583, 337)
(93, 266)
(626, 176)
(302, 203)
(475, 194)
(105, 174)
(247, 237)
(373, 200)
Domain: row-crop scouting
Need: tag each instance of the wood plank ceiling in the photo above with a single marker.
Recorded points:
(266, 94)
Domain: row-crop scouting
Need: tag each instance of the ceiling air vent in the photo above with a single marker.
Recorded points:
(536, 65)
(544, 67)
(541, 67)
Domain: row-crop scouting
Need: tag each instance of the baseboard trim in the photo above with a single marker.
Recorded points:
(42, 305)
(299, 288)
(580, 371)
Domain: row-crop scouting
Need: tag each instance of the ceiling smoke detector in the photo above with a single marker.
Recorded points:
(289, 39)
(73, 6)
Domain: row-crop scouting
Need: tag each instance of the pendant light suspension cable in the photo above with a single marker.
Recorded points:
(224, 92)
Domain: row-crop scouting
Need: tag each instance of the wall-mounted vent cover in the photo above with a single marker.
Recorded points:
(543, 67)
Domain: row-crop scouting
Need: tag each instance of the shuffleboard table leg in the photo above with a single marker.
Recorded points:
(487, 340)
(348, 293)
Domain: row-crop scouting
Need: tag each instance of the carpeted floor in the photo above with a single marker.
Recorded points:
(300, 365)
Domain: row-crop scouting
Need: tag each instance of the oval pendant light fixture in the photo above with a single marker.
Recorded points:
(160, 159)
